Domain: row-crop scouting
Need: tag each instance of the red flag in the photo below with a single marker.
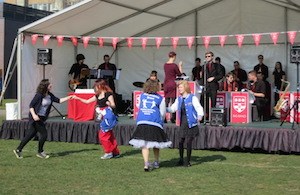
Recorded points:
(175, 42)
(129, 42)
(74, 41)
(85, 41)
(274, 37)
(256, 38)
(34, 38)
(222, 40)
(60, 40)
(190, 41)
(100, 41)
(158, 41)
(114, 42)
(239, 39)
(144, 42)
(292, 36)
(46, 39)
(206, 41)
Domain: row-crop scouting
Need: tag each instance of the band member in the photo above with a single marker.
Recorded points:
(149, 132)
(171, 71)
(153, 76)
(213, 75)
(197, 71)
(262, 68)
(39, 109)
(229, 84)
(278, 75)
(78, 73)
(190, 113)
(108, 66)
(240, 74)
(218, 61)
(258, 88)
(105, 105)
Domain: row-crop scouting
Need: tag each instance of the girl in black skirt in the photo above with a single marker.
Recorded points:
(190, 112)
(149, 132)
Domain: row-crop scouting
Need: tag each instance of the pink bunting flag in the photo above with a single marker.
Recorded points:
(100, 41)
(144, 41)
(256, 38)
(239, 40)
(60, 40)
(129, 42)
(190, 41)
(114, 42)
(292, 36)
(74, 41)
(222, 40)
(274, 37)
(34, 38)
(46, 39)
(175, 42)
(158, 41)
(206, 41)
(85, 41)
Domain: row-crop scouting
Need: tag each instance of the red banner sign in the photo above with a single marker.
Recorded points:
(240, 107)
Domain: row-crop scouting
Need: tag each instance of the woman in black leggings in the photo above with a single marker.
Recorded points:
(39, 110)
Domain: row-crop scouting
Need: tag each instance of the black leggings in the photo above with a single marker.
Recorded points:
(37, 126)
(188, 148)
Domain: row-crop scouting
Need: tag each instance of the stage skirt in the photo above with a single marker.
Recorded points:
(149, 136)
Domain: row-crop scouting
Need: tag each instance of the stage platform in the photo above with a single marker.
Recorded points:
(265, 136)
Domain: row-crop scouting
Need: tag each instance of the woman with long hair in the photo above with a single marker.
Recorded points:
(149, 132)
(105, 106)
(171, 71)
(278, 75)
(39, 109)
(190, 113)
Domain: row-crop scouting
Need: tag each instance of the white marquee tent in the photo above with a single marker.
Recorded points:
(155, 18)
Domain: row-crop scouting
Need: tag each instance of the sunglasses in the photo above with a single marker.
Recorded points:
(260, 58)
(207, 56)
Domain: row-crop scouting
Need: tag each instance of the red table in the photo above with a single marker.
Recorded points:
(79, 111)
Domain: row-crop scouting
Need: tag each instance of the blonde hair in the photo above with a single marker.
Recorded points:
(185, 85)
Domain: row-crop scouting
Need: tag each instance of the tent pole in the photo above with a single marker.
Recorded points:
(19, 77)
(196, 33)
(285, 40)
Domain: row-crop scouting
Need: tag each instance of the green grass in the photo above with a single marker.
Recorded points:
(77, 169)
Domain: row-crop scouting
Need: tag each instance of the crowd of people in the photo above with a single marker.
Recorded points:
(149, 133)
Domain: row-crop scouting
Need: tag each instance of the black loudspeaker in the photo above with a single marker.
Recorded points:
(44, 56)
(218, 117)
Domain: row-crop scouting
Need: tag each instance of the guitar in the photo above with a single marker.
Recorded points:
(85, 72)
(73, 84)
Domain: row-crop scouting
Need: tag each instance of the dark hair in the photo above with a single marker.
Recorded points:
(80, 57)
(280, 65)
(260, 56)
(101, 85)
(151, 86)
(218, 59)
(172, 54)
(43, 86)
(153, 73)
(106, 55)
(198, 60)
(236, 62)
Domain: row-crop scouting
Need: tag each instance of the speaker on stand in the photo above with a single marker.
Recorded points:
(218, 117)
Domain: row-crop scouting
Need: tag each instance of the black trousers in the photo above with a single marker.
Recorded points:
(36, 127)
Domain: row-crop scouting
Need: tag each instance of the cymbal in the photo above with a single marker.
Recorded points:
(138, 84)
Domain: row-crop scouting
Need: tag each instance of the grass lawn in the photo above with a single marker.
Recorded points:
(77, 169)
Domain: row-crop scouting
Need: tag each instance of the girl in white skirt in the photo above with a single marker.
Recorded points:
(149, 132)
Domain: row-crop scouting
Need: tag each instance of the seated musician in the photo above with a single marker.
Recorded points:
(257, 87)
(78, 74)
(153, 76)
(229, 84)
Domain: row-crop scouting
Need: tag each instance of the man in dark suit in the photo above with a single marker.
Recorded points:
(213, 75)
(261, 68)
(108, 66)
(240, 74)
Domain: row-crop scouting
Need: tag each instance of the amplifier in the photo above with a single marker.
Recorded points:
(218, 117)
(44, 56)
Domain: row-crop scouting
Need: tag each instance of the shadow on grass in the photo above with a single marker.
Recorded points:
(195, 160)
(65, 153)
(130, 152)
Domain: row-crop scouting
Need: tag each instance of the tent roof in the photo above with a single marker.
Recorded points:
(123, 18)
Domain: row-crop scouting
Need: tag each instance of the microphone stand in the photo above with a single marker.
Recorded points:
(204, 90)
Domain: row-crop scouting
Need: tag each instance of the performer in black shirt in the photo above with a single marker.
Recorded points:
(197, 71)
(258, 89)
(108, 66)
(262, 68)
(240, 74)
(78, 73)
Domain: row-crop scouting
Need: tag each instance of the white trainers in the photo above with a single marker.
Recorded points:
(18, 154)
(42, 155)
(107, 156)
